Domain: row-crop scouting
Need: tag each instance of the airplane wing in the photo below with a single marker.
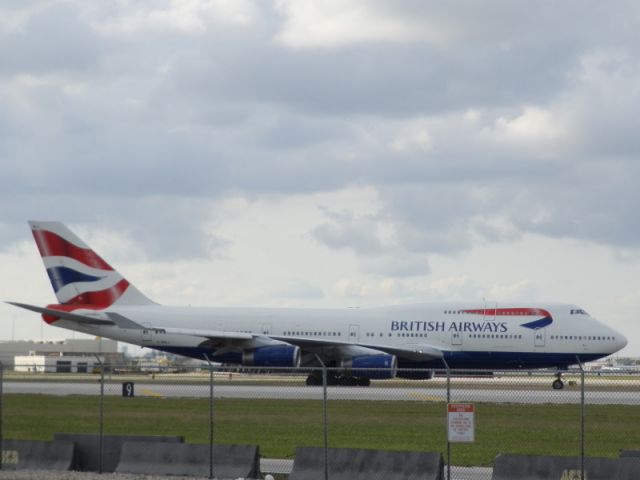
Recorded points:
(411, 353)
(415, 353)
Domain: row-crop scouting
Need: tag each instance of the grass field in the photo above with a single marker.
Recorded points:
(278, 426)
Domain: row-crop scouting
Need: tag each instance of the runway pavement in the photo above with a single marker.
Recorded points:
(426, 394)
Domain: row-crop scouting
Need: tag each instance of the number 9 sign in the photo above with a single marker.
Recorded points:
(127, 389)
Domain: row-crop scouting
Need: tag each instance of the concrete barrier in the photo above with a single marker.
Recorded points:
(523, 467)
(629, 453)
(355, 464)
(88, 448)
(629, 469)
(37, 455)
(229, 461)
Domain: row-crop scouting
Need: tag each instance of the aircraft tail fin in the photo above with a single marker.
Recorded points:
(78, 275)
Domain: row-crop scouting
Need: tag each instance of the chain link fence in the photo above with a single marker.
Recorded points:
(596, 414)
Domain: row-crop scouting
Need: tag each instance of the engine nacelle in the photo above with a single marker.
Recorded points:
(272, 356)
(381, 366)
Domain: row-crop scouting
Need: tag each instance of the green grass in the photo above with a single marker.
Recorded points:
(278, 426)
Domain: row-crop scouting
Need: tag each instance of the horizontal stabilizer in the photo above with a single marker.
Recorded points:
(74, 317)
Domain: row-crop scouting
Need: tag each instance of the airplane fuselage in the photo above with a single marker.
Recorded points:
(468, 335)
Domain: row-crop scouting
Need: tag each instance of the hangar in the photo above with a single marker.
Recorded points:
(83, 350)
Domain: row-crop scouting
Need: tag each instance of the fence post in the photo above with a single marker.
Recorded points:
(325, 417)
(582, 414)
(446, 419)
(326, 425)
(1, 412)
(101, 435)
(211, 414)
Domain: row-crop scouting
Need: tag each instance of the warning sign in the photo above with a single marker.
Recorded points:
(461, 422)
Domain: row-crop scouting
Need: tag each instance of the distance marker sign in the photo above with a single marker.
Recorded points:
(461, 422)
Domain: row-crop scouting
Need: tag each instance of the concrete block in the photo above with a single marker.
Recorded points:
(37, 455)
(229, 461)
(357, 464)
(523, 467)
(629, 468)
(88, 448)
(629, 453)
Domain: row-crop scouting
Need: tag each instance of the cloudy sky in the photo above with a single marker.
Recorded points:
(326, 153)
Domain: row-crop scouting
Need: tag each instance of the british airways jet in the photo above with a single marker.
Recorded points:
(364, 343)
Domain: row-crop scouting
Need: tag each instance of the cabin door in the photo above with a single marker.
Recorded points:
(354, 333)
(456, 338)
(146, 332)
(539, 337)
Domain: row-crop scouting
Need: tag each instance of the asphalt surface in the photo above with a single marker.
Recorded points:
(437, 394)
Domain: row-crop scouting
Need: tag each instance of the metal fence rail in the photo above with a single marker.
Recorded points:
(516, 412)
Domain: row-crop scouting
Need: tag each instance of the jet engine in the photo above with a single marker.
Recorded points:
(381, 366)
(272, 356)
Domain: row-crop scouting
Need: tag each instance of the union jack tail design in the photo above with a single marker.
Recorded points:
(78, 275)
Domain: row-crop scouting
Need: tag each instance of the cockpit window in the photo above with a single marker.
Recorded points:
(578, 311)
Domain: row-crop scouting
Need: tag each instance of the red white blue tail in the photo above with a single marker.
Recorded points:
(78, 275)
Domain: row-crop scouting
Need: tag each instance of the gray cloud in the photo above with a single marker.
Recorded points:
(160, 227)
(393, 264)
(509, 120)
(346, 230)
(53, 38)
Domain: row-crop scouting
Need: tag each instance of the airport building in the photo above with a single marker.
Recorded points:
(78, 351)
(57, 364)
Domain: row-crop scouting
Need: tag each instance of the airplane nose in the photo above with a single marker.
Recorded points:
(621, 341)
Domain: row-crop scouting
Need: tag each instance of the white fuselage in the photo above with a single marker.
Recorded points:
(469, 336)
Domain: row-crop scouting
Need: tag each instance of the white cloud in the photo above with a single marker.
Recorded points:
(415, 139)
(298, 289)
(534, 125)
(520, 290)
(334, 23)
(189, 17)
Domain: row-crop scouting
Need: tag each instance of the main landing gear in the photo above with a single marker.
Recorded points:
(315, 379)
(558, 384)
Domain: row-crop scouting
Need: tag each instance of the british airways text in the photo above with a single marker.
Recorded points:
(493, 327)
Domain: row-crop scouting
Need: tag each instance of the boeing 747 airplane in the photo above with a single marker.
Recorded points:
(364, 343)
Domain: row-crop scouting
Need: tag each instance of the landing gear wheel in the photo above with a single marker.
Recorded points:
(557, 384)
(348, 381)
(364, 382)
(313, 380)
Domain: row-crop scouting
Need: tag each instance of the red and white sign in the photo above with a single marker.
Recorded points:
(461, 422)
